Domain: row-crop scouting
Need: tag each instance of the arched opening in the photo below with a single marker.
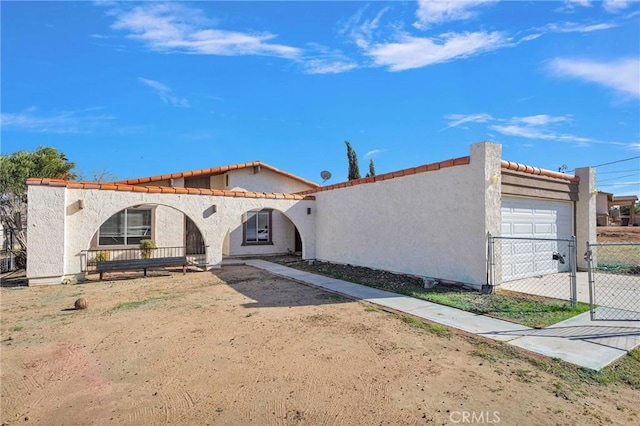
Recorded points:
(262, 232)
(122, 236)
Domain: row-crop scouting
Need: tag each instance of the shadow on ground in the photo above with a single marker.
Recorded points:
(270, 291)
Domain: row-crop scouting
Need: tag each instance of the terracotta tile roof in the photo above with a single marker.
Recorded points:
(215, 170)
(163, 189)
(509, 165)
(392, 175)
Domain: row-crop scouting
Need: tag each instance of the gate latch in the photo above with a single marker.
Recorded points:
(557, 256)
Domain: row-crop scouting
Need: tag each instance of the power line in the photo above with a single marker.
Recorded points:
(619, 171)
(623, 184)
(619, 177)
(617, 161)
(612, 162)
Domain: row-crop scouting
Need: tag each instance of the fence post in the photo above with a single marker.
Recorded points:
(492, 263)
(588, 256)
(573, 255)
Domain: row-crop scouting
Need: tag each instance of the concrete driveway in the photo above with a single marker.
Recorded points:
(617, 295)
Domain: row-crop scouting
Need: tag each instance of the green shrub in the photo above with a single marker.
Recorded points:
(102, 256)
(146, 248)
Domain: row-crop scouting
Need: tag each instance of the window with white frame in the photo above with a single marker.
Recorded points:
(257, 227)
(126, 227)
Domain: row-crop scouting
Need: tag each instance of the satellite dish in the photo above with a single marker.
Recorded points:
(325, 175)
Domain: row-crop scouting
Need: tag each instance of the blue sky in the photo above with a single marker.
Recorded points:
(146, 88)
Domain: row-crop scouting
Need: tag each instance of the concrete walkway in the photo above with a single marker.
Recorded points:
(590, 344)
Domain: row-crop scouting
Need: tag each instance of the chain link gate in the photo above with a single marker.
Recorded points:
(614, 281)
(538, 266)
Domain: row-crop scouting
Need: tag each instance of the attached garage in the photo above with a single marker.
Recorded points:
(527, 227)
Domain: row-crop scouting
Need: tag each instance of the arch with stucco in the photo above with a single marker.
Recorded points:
(283, 228)
(168, 232)
(62, 222)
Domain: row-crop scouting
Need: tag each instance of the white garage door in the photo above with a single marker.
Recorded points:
(534, 218)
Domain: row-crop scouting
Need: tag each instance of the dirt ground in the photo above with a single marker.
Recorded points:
(240, 346)
(618, 234)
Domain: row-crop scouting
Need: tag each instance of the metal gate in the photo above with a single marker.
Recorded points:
(614, 281)
(537, 266)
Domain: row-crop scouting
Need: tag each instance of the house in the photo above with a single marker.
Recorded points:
(603, 201)
(432, 220)
(263, 232)
(625, 206)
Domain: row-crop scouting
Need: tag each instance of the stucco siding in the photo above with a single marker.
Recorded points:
(46, 233)
(430, 224)
(585, 212)
(59, 231)
(602, 204)
(264, 181)
(168, 227)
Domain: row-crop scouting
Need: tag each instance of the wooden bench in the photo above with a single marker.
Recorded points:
(144, 264)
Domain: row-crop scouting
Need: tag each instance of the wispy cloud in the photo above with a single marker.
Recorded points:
(322, 60)
(374, 152)
(416, 52)
(576, 27)
(165, 93)
(322, 66)
(436, 12)
(63, 122)
(585, 3)
(456, 120)
(622, 75)
(362, 32)
(615, 6)
(542, 127)
(175, 28)
(541, 119)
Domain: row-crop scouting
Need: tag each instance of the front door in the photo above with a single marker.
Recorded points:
(193, 238)
(298, 243)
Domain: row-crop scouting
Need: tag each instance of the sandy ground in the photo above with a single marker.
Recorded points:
(240, 346)
(618, 234)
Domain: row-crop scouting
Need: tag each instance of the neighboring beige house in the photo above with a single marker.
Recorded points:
(431, 220)
(603, 203)
(628, 201)
(608, 209)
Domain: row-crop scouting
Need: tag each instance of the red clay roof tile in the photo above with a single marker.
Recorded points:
(217, 170)
(165, 189)
(446, 163)
(461, 161)
(433, 166)
(509, 165)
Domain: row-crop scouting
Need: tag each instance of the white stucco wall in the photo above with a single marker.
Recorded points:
(602, 204)
(46, 233)
(58, 232)
(264, 181)
(585, 212)
(430, 224)
(169, 227)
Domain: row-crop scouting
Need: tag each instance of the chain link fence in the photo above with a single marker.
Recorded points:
(614, 281)
(537, 266)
